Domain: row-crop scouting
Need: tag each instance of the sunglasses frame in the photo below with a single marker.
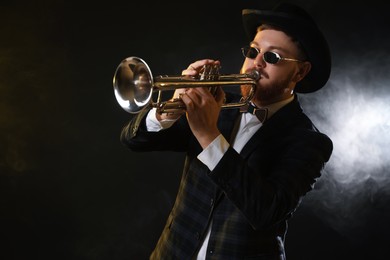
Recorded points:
(246, 49)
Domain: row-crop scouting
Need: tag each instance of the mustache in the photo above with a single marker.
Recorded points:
(262, 73)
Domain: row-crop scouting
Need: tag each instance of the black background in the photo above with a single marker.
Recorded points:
(70, 190)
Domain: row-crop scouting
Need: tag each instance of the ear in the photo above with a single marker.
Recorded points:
(304, 69)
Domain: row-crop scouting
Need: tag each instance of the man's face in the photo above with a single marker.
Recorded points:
(277, 81)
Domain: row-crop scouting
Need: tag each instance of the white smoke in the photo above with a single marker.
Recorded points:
(359, 127)
(354, 111)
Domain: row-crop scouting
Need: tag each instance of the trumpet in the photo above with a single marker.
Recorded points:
(134, 86)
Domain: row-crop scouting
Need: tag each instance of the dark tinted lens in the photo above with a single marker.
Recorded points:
(271, 57)
(250, 52)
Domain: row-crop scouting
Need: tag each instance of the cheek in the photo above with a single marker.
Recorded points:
(246, 65)
(245, 90)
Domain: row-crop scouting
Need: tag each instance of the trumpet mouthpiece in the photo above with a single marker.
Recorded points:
(254, 74)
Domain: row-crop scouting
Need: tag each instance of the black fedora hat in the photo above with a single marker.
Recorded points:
(296, 22)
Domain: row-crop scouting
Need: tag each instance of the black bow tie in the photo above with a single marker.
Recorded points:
(260, 113)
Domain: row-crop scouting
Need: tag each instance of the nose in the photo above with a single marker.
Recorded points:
(258, 61)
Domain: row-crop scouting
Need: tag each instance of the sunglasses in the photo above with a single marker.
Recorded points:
(268, 56)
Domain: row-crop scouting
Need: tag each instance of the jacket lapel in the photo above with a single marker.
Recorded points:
(274, 126)
(227, 120)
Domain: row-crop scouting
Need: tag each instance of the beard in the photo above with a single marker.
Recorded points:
(268, 93)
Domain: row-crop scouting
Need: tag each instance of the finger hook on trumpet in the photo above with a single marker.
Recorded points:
(134, 85)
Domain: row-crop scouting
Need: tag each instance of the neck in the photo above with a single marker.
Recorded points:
(264, 103)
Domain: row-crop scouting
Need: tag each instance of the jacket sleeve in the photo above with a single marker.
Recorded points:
(135, 136)
(268, 185)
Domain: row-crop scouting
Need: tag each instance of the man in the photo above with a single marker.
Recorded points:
(244, 176)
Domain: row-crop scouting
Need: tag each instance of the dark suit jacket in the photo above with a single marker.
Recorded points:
(249, 196)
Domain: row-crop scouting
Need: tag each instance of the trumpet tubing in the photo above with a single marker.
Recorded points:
(134, 85)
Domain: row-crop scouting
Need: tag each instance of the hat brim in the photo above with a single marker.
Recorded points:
(306, 32)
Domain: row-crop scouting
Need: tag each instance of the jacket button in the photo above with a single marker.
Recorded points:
(197, 235)
(211, 202)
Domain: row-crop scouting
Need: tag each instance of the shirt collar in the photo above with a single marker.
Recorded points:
(274, 107)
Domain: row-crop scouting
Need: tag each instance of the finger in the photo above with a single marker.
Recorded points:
(195, 95)
(178, 92)
(198, 65)
(220, 96)
(189, 72)
(188, 101)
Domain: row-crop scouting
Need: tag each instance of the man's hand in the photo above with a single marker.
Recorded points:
(202, 108)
